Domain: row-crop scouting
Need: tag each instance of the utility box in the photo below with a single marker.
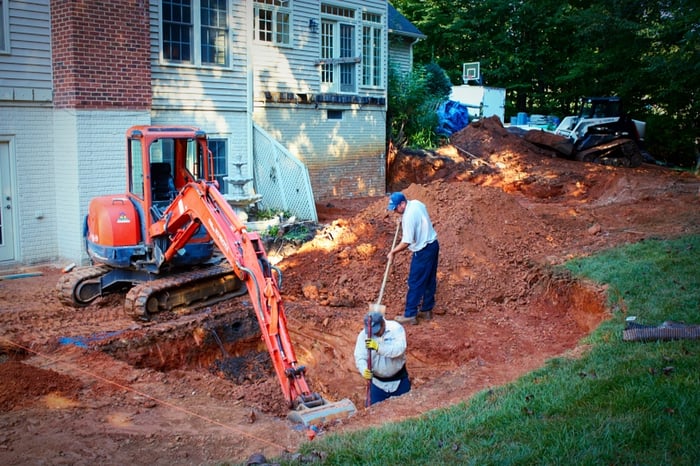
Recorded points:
(481, 101)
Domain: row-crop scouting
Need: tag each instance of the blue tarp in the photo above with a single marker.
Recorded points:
(452, 117)
(83, 342)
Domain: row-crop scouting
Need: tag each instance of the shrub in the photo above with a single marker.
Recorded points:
(413, 99)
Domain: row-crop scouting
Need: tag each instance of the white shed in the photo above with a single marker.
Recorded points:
(481, 101)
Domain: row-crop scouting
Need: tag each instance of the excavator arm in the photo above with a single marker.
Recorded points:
(200, 203)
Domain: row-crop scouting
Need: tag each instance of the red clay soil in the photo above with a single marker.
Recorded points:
(505, 212)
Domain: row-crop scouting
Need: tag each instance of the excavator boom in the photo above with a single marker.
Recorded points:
(200, 203)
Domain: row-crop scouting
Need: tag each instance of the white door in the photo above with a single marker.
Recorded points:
(7, 231)
(494, 102)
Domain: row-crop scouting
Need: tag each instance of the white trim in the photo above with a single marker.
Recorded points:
(196, 43)
(5, 27)
(289, 10)
(12, 162)
(383, 47)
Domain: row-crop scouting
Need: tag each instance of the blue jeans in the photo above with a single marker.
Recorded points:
(422, 280)
(376, 394)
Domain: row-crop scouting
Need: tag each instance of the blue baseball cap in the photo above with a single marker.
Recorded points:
(375, 319)
(395, 199)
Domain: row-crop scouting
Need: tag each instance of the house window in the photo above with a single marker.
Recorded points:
(181, 18)
(334, 114)
(218, 151)
(214, 32)
(273, 21)
(4, 27)
(371, 49)
(338, 57)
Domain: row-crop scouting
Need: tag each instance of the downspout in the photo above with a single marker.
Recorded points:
(415, 41)
(250, 148)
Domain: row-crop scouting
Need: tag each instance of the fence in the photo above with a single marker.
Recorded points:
(281, 179)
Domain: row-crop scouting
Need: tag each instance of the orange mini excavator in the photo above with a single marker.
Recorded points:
(160, 240)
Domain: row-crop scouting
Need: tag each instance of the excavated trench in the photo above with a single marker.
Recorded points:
(549, 318)
(226, 342)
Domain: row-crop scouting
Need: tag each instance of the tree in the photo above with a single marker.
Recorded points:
(548, 54)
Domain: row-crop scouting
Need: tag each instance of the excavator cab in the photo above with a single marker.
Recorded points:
(161, 161)
(171, 157)
(162, 182)
(164, 159)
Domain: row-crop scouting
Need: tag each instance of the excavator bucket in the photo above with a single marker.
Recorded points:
(321, 414)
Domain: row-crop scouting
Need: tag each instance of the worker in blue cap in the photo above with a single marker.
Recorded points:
(380, 356)
(420, 238)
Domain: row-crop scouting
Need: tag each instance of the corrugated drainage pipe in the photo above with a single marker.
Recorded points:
(666, 331)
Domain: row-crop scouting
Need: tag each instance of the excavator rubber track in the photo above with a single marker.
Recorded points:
(200, 287)
(81, 286)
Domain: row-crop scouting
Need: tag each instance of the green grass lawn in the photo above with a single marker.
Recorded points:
(621, 403)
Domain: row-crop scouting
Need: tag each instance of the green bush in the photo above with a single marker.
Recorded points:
(413, 100)
(667, 141)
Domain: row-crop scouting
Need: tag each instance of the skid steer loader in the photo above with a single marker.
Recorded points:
(601, 133)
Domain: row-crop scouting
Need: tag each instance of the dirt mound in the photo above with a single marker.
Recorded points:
(505, 212)
(24, 385)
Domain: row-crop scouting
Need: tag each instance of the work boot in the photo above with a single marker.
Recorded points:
(406, 320)
(427, 315)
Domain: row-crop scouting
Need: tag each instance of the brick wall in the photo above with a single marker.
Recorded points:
(358, 177)
(100, 52)
(345, 158)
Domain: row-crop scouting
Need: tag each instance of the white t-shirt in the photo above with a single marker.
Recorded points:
(416, 226)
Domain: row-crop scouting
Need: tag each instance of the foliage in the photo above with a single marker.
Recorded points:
(294, 233)
(664, 146)
(273, 231)
(619, 403)
(438, 84)
(268, 214)
(549, 54)
(413, 99)
(298, 233)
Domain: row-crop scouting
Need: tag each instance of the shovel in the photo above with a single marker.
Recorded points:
(368, 333)
(378, 307)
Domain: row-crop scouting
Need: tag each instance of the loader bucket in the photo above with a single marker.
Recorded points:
(321, 414)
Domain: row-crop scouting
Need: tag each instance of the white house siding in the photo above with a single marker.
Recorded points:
(25, 124)
(401, 54)
(289, 69)
(29, 132)
(25, 73)
(90, 161)
(293, 69)
(345, 157)
(187, 87)
(212, 98)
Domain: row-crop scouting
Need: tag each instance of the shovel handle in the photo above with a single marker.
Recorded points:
(388, 265)
(368, 334)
